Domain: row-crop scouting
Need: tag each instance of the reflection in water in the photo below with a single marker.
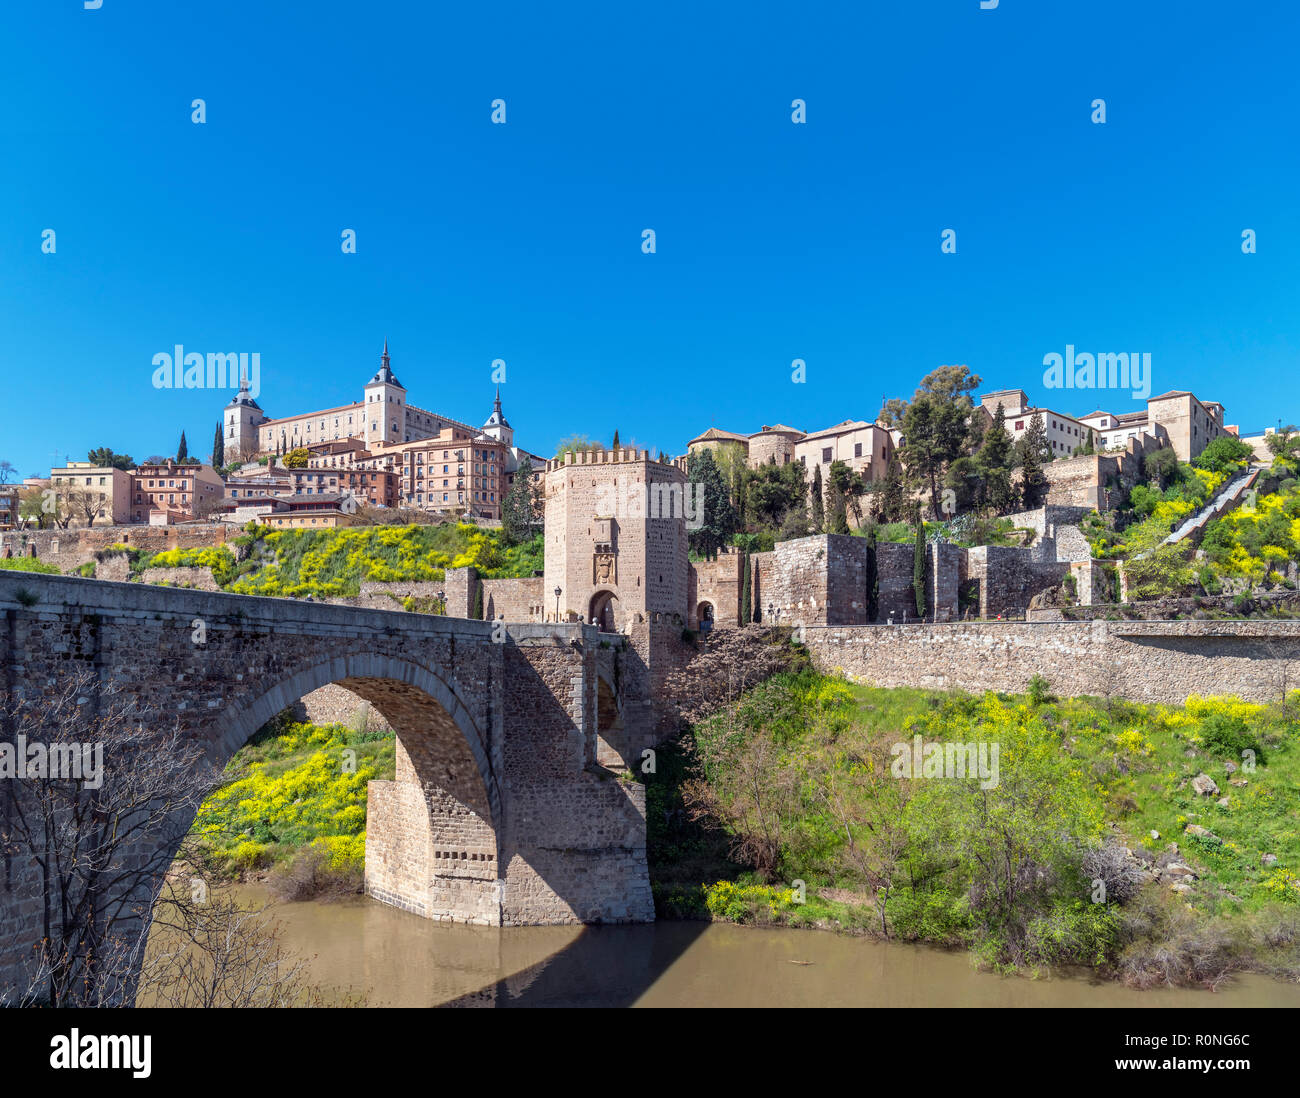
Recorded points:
(388, 957)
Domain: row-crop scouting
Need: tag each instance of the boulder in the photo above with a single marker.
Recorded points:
(1230, 767)
(1203, 785)
(1177, 869)
(1268, 860)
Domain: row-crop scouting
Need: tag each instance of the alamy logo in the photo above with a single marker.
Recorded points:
(919, 759)
(102, 1052)
(61, 761)
(195, 370)
(628, 498)
(1082, 370)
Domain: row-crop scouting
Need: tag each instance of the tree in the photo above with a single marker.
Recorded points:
(182, 451)
(218, 448)
(708, 490)
(36, 506)
(477, 613)
(297, 458)
(577, 444)
(1161, 467)
(1226, 454)
(890, 497)
(1284, 443)
(103, 457)
(614, 445)
(937, 426)
(746, 594)
(918, 563)
(7, 471)
(846, 493)
(818, 505)
(892, 412)
(873, 575)
(994, 463)
(521, 509)
(1033, 452)
(94, 848)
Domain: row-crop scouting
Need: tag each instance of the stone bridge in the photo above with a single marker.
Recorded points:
(501, 812)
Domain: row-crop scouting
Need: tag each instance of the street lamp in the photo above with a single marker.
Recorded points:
(558, 591)
(442, 601)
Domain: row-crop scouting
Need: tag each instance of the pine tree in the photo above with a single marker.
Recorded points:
(182, 451)
(1033, 451)
(995, 460)
(918, 563)
(818, 505)
(746, 595)
(218, 449)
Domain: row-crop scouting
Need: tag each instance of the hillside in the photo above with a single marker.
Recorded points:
(1093, 847)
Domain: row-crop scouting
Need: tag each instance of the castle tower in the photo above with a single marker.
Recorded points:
(385, 405)
(616, 540)
(242, 418)
(496, 426)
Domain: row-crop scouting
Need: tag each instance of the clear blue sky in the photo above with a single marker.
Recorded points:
(523, 242)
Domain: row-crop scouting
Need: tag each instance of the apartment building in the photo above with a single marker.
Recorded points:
(166, 493)
(92, 495)
(1065, 433)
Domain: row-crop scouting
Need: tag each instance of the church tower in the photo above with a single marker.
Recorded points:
(242, 416)
(385, 406)
(496, 426)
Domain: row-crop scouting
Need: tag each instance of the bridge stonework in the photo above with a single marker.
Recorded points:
(500, 812)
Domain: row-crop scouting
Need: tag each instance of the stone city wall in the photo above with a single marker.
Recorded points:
(69, 548)
(1143, 661)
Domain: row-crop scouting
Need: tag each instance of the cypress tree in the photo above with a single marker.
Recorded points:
(918, 564)
(873, 576)
(746, 595)
(218, 449)
(478, 601)
(182, 451)
(615, 446)
(818, 501)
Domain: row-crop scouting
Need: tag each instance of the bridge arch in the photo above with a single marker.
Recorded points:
(401, 690)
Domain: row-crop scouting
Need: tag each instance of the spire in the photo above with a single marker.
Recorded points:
(384, 357)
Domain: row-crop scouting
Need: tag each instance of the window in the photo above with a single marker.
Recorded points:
(826, 455)
(857, 449)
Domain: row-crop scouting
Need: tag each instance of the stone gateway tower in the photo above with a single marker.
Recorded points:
(616, 540)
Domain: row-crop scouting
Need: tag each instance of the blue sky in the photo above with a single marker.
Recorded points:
(522, 241)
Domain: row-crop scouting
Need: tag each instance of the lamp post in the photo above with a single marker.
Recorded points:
(558, 591)
(442, 602)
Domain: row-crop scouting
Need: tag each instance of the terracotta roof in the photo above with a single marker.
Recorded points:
(777, 429)
(1171, 393)
(717, 433)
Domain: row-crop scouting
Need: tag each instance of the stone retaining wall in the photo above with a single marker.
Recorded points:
(1143, 661)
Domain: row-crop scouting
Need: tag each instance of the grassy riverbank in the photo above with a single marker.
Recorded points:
(1092, 848)
(293, 813)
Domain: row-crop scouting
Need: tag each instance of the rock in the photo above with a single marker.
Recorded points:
(1190, 753)
(1142, 854)
(1237, 781)
(1180, 887)
(1155, 834)
(1203, 832)
(1172, 848)
(1230, 767)
(1177, 869)
(1121, 766)
(1203, 785)
(1267, 860)
(1222, 802)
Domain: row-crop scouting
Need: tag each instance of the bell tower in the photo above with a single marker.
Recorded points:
(385, 405)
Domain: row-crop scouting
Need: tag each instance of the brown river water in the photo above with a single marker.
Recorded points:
(385, 957)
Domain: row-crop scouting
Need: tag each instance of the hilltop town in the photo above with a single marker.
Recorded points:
(955, 504)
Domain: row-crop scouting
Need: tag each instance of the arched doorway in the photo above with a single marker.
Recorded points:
(601, 611)
(704, 615)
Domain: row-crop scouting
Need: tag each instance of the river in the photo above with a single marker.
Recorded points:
(386, 957)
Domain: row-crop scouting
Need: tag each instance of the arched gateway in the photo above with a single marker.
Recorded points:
(498, 813)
